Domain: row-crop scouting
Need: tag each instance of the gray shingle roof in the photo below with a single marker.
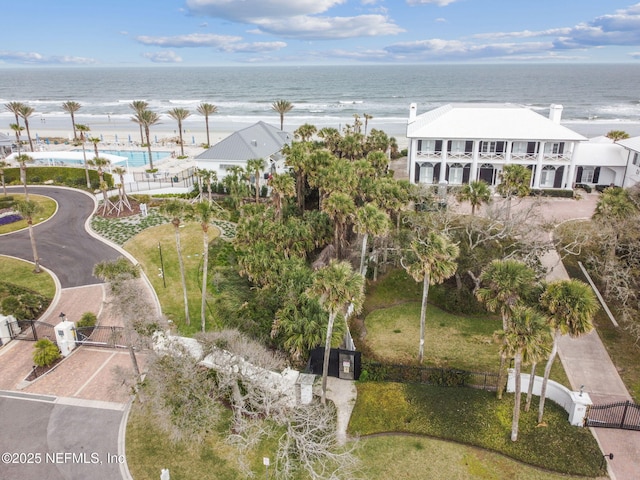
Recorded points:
(257, 141)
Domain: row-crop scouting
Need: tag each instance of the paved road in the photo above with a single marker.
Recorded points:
(64, 246)
(64, 441)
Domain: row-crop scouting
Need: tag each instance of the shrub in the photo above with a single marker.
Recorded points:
(69, 176)
(10, 306)
(45, 352)
(88, 319)
(553, 193)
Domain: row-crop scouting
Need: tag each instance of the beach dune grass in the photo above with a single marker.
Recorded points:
(144, 247)
(477, 418)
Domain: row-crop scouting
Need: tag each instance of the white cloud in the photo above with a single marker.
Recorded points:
(308, 27)
(635, 55)
(438, 49)
(37, 58)
(190, 40)
(254, 47)
(163, 57)
(552, 32)
(440, 20)
(619, 28)
(248, 10)
(440, 3)
(298, 18)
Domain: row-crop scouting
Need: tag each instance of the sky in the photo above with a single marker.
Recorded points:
(317, 32)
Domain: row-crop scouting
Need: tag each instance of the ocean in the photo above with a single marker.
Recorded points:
(326, 96)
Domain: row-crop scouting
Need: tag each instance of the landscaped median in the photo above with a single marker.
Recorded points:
(475, 417)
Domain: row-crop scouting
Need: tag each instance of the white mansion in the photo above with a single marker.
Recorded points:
(458, 143)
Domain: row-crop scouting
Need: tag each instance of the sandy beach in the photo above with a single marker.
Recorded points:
(120, 132)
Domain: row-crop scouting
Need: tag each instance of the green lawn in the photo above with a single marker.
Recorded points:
(451, 340)
(144, 247)
(19, 272)
(49, 208)
(476, 418)
(398, 457)
(417, 458)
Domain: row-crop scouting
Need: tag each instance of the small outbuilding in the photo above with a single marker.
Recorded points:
(260, 140)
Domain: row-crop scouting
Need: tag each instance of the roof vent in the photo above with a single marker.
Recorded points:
(412, 112)
(254, 143)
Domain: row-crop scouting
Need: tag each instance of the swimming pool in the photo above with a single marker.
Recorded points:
(138, 158)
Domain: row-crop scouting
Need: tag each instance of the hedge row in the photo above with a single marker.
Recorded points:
(69, 176)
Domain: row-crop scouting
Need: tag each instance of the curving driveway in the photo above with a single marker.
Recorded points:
(64, 246)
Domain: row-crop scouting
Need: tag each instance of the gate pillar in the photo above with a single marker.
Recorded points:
(5, 329)
(65, 337)
(580, 404)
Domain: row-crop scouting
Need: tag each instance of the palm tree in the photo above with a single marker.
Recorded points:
(527, 331)
(506, 282)
(123, 200)
(15, 107)
(616, 135)
(570, 306)
(204, 214)
(434, 260)
(147, 118)
(95, 141)
(139, 106)
(180, 114)
(370, 220)
(27, 209)
(614, 203)
(83, 129)
(3, 165)
(177, 210)
(17, 128)
(305, 132)
(255, 166)
(23, 159)
(297, 158)
(476, 193)
(282, 186)
(25, 112)
(207, 109)
(367, 117)
(282, 107)
(514, 182)
(335, 286)
(71, 108)
(102, 162)
(341, 208)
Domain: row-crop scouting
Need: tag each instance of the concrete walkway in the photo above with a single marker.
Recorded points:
(587, 363)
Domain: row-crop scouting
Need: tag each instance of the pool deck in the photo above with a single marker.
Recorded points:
(168, 166)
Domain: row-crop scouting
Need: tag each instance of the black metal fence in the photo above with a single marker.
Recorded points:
(31, 330)
(151, 181)
(624, 415)
(445, 377)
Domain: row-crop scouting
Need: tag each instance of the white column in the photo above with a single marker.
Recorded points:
(443, 162)
(411, 159)
(473, 174)
(507, 153)
(538, 173)
(571, 176)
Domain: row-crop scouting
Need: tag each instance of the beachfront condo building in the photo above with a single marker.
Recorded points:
(458, 143)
